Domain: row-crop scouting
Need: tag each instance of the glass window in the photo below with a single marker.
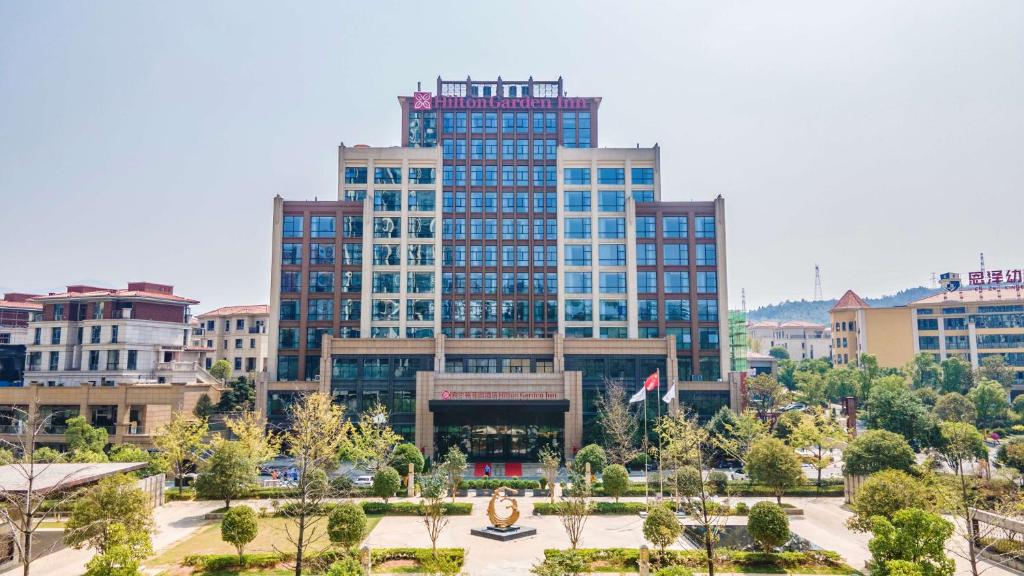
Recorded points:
(613, 282)
(387, 227)
(421, 227)
(350, 310)
(612, 254)
(421, 254)
(289, 309)
(321, 254)
(319, 309)
(421, 175)
(578, 283)
(579, 310)
(386, 282)
(677, 282)
(611, 201)
(615, 176)
(421, 200)
(708, 338)
(352, 254)
(707, 282)
(385, 310)
(704, 226)
(642, 176)
(353, 227)
(677, 310)
(293, 227)
(676, 254)
(351, 281)
(291, 281)
(578, 201)
(288, 338)
(576, 176)
(291, 254)
(577, 255)
(320, 281)
(646, 282)
(387, 200)
(387, 255)
(613, 310)
(675, 226)
(321, 227)
(648, 310)
(385, 175)
(577, 228)
(646, 254)
(611, 227)
(645, 227)
(706, 255)
(355, 175)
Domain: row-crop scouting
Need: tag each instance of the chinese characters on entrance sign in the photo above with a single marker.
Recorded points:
(426, 101)
(498, 395)
(995, 277)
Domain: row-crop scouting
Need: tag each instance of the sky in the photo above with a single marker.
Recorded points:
(145, 141)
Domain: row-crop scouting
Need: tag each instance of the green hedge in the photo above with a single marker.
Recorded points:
(628, 559)
(492, 483)
(421, 555)
(221, 562)
(217, 562)
(382, 509)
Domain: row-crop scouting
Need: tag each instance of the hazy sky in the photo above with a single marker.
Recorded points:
(145, 141)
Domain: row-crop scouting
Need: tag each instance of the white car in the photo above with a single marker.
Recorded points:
(363, 481)
(738, 474)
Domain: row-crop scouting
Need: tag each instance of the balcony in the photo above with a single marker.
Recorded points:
(135, 430)
(257, 330)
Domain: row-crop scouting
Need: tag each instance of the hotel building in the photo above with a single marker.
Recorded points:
(486, 278)
(119, 357)
(803, 340)
(969, 323)
(16, 311)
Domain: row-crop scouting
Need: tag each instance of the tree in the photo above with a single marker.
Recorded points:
(885, 493)
(317, 434)
(221, 370)
(83, 437)
(346, 525)
(690, 445)
(774, 464)
(615, 481)
(238, 528)
(113, 500)
(994, 367)
(787, 374)
(765, 395)
(239, 395)
(787, 423)
(618, 424)
(955, 407)
(228, 473)
(204, 407)
(434, 519)
(869, 371)
(892, 407)
(877, 450)
(125, 551)
(990, 400)
(779, 353)
(132, 453)
(820, 434)
(842, 382)
(454, 465)
(739, 437)
(590, 454)
(913, 535)
(250, 431)
(811, 388)
(927, 396)
(768, 525)
(574, 508)
(661, 527)
(1012, 454)
(180, 442)
(961, 446)
(404, 455)
(925, 372)
(372, 439)
(957, 375)
(386, 482)
(23, 511)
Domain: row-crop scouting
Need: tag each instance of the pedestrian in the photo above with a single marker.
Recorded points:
(487, 470)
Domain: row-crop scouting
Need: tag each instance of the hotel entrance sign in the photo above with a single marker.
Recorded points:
(497, 395)
(426, 101)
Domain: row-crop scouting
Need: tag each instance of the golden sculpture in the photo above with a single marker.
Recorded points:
(513, 515)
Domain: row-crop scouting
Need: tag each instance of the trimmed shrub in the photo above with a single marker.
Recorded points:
(386, 482)
(742, 509)
(661, 527)
(615, 481)
(593, 454)
(673, 571)
(768, 525)
(346, 525)
(238, 528)
(718, 481)
(404, 455)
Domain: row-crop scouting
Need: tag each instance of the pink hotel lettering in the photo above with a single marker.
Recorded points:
(425, 101)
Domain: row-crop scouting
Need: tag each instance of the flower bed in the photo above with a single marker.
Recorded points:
(382, 509)
(627, 560)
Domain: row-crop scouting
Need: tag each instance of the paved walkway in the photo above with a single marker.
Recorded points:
(174, 521)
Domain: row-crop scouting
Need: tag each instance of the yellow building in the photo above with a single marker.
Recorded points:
(971, 324)
(857, 328)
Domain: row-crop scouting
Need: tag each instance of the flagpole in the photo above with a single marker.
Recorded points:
(661, 473)
(647, 486)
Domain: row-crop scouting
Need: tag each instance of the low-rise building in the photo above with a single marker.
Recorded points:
(119, 357)
(16, 311)
(857, 329)
(803, 340)
(237, 334)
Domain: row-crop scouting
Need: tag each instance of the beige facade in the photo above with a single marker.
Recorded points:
(803, 340)
(237, 334)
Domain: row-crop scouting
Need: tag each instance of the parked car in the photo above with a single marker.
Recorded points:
(799, 406)
(738, 474)
(363, 481)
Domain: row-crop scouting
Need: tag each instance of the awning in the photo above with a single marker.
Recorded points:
(532, 405)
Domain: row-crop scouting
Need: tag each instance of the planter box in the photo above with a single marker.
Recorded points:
(485, 492)
(544, 493)
(462, 492)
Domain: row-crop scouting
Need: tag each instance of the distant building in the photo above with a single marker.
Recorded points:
(119, 357)
(803, 340)
(761, 364)
(16, 311)
(237, 334)
(857, 329)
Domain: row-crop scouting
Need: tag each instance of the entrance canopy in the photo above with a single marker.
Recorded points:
(54, 477)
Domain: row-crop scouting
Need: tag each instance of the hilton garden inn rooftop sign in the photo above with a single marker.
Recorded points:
(426, 101)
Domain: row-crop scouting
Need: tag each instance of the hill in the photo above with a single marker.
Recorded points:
(818, 311)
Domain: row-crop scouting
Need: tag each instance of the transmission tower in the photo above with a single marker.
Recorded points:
(743, 299)
(817, 283)
(981, 258)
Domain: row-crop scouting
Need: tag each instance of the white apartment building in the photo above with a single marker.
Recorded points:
(803, 340)
(237, 334)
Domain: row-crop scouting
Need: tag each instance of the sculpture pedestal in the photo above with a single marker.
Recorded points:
(504, 534)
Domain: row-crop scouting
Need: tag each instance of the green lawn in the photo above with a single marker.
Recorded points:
(272, 537)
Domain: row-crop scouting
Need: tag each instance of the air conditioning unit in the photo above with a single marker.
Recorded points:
(126, 313)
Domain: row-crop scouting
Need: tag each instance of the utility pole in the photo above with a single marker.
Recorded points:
(817, 283)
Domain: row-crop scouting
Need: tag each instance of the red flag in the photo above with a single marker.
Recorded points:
(652, 382)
